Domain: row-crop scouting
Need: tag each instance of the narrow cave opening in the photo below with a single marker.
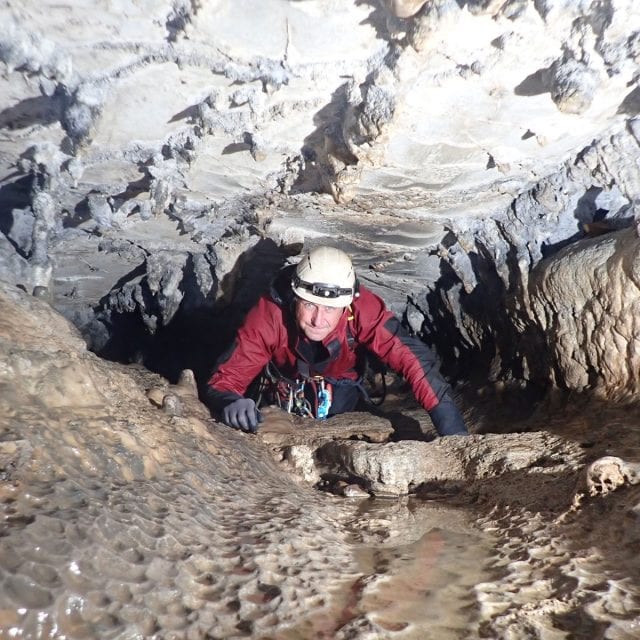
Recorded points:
(170, 309)
(173, 317)
(174, 308)
(160, 316)
(131, 324)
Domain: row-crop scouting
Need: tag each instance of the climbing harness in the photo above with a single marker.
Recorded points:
(309, 397)
(312, 396)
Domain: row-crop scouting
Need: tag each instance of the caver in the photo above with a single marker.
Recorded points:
(305, 342)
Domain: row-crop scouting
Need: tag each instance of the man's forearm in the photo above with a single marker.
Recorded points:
(216, 400)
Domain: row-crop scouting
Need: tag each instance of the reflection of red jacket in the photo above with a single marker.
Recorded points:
(269, 333)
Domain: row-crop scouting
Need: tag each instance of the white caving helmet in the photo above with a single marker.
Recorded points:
(325, 276)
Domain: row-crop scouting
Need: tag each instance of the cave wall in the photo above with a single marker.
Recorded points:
(161, 160)
(527, 287)
(587, 302)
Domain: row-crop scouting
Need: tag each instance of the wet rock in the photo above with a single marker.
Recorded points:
(354, 491)
(295, 441)
(609, 473)
(120, 508)
(172, 405)
(399, 468)
(26, 593)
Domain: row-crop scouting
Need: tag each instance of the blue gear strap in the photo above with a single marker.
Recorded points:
(306, 396)
(324, 399)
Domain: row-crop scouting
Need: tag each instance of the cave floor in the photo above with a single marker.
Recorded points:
(128, 512)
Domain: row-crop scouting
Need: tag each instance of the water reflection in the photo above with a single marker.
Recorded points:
(422, 560)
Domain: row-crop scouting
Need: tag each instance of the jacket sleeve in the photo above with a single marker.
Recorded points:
(381, 332)
(245, 359)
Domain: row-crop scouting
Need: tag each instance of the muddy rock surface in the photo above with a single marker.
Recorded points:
(161, 161)
(128, 512)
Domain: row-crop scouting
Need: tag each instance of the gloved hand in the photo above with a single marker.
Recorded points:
(242, 414)
(447, 419)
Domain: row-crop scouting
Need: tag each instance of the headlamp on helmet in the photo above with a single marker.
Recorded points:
(325, 276)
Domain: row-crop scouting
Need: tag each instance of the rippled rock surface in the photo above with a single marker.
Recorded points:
(127, 512)
(122, 521)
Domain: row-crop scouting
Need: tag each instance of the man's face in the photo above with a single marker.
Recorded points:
(315, 320)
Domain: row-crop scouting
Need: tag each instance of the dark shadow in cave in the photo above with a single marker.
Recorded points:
(236, 147)
(550, 248)
(534, 84)
(404, 427)
(14, 195)
(440, 330)
(587, 209)
(135, 187)
(80, 215)
(495, 385)
(630, 106)
(40, 110)
(190, 114)
(200, 330)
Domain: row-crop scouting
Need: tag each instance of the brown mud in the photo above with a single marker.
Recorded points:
(128, 513)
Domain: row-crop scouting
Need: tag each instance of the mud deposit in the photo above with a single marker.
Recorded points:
(128, 513)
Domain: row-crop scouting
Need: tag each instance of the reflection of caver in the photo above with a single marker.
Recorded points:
(306, 341)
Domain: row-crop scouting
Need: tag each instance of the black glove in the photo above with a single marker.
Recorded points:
(447, 419)
(242, 414)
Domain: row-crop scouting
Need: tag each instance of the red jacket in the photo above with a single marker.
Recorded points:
(269, 333)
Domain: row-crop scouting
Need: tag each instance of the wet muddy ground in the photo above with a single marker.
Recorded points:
(129, 513)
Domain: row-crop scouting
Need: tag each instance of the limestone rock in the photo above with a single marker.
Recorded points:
(591, 326)
(399, 468)
(608, 473)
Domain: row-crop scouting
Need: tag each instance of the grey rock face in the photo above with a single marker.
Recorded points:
(216, 150)
(591, 328)
(504, 259)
